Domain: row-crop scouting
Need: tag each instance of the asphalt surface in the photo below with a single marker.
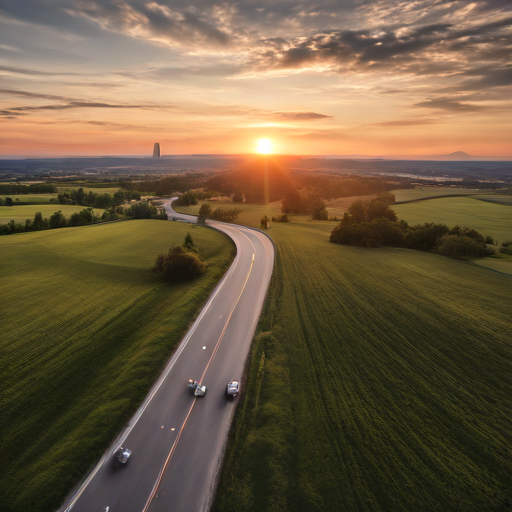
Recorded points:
(177, 440)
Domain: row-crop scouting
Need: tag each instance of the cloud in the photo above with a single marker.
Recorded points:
(34, 72)
(299, 116)
(449, 105)
(406, 122)
(26, 94)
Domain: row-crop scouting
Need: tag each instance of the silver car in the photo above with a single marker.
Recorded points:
(233, 388)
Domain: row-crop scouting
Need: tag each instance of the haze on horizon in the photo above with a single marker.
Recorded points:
(100, 77)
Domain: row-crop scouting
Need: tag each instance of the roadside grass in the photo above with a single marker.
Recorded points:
(86, 329)
(488, 218)
(32, 198)
(378, 381)
(413, 194)
(22, 212)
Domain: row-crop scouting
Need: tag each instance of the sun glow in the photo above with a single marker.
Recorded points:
(264, 146)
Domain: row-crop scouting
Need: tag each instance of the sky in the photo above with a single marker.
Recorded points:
(332, 77)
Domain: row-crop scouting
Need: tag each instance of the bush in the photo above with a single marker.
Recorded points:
(225, 214)
(506, 247)
(455, 246)
(178, 264)
(320, 213)
(205, 210)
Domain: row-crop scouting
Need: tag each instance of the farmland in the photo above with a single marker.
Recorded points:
(378, 381)
(488, 218)
(86, 328)
(22, 212)
(33, 198)
(415, 194)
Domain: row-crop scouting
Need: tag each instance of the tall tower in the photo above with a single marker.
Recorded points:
(156, 150)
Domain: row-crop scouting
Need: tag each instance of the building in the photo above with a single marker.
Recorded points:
(156, 150)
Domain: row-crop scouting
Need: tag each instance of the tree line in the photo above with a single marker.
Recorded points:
(374, 224)
(142, 210)
(222, 214)
(35, 188)
(94, 200)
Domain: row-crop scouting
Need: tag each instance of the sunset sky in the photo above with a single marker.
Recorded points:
(333, 77)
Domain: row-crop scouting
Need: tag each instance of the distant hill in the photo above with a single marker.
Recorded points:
(459, 155)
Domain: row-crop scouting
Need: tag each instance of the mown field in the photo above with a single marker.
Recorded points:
(22, 212)
(425, 192)
(33, 198)
(86, 328)
(488, 218)
(379, 381)
(100, 189)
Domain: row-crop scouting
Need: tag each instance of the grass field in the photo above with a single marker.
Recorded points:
(379, 381)
(86, 328)
(496, 198)
(426, 192)
(251, 213)
(33, 198)
(488, 218)
(20, 213)
(97, 190)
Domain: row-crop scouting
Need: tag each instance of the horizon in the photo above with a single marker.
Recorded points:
(377, 80)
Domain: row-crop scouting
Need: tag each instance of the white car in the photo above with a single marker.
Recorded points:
(122, 455)
(233, 388)
(197, 388)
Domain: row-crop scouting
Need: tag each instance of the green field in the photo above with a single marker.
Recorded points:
(488, 218)
(496, 198)
(33, 198)
(251, 213)
(415, 194)
(20, 213)
(379, 381)
(86, 328)
(97, 190)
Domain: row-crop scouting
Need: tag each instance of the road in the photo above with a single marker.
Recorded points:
(177, 440)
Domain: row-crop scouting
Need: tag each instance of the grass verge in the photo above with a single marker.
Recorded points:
(86, 329)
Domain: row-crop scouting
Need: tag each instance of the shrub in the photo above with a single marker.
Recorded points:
(506, 247)
(178, 265)
(455, 246)
(205, 210)
(225, 213)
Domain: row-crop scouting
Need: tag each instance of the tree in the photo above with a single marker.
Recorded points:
(189, 242)
(320, 213)
(205, 210)
(178, 265)
(8, 201)
(455, 246)
(238, 197)
(57, 220)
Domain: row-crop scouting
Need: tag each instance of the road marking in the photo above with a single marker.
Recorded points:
(162, 471)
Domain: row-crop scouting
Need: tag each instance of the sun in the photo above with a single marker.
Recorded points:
(264, 146)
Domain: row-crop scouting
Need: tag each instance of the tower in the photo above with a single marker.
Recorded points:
(156, 150)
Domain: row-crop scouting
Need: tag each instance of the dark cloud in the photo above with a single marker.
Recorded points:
(26, 94)
(406, 122)
(71, 104)
(300, 116)
(449, 105)
(34, 72)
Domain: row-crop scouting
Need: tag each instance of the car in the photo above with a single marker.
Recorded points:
(122, 455)
(197, 388)
(233, 388)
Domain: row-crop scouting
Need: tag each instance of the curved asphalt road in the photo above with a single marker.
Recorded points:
(177, 441)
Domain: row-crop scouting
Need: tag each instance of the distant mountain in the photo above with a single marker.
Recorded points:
(459, 155)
